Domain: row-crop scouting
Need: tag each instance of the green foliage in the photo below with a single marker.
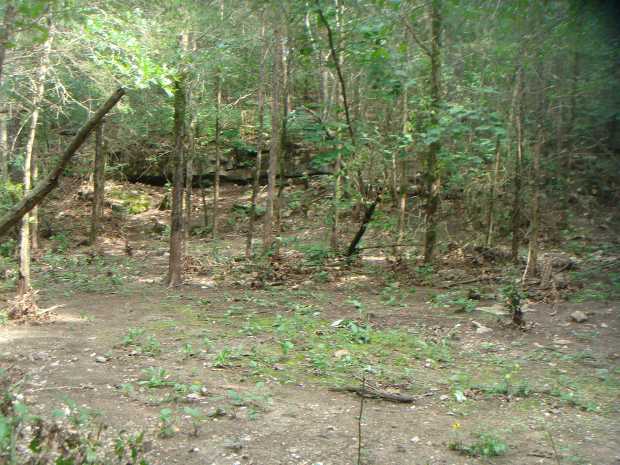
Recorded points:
(486, 445)
(455, 299)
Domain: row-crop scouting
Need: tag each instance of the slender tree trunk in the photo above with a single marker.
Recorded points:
(433, 182)
(189, 177)
(175, 265)
(516, 200)
(5, 32)
(98, 184)
(402, 189)
(336, 202)
(275, 148)
(25, 244)
(531, 269)
(4, 143)
(491, 207)
(218, 156)
(259, 143)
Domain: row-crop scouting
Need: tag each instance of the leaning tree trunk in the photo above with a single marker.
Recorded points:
(275, 148)
(433, 182)
(259, 144)
(175, 265)
(17, 212)
(98, 184)
(24, 283)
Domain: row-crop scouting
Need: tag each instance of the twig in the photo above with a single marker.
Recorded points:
(359, 422)
(555, 450)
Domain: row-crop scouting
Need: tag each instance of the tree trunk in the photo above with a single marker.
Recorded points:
(259, 143)
(218, 156)
(189, 176)
(175, 265)
(4, 143)
(275, 148)
(491, 207)
(5, 32)
(531, 269)
(516, 200)
(368, 212)
(433, 182)
(98, 184)
(25, 238)
(336, 202)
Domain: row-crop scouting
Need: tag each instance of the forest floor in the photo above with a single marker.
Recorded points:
(243, 364)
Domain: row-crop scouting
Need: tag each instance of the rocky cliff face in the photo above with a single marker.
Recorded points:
(151, 164)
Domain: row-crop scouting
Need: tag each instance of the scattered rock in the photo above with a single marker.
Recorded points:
(100, 359)
(233, 444)
(497, 309)
(341, 353)
(579, 317)
(561, 342)
(480, 328)
(415, 439)
(444, 397)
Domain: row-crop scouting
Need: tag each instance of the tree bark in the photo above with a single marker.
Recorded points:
(275, 148)
(15, 214)
(98, 184)
(491, 207)
(531, 269)
(259, 143)
(4, 143)
(175, 265)
(516, 200)
(27, 242)
(433, 181)
(5, 32)
(218, 156)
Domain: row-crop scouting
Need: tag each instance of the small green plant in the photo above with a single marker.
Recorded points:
(155, 378)
(188, 350)
(393, 295)
(222, 358)
(197, 417)
(132, 336)
(456, 300)
(167, 428)
(359, 334)
(486, 445)
(286, 346)
(513, 296)
(151, 346)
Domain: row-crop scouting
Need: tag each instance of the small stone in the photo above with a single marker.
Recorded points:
(579, 317)
(444, 397)
(561, 342)
(415, 439)
(100, 359)
(341, 353)
(233, 444)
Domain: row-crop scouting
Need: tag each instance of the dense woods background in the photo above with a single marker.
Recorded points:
(312, 137)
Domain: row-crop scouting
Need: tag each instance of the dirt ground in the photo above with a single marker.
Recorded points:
(258, 357)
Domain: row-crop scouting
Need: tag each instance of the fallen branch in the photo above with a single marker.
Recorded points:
(372, 392)
(31, 200)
